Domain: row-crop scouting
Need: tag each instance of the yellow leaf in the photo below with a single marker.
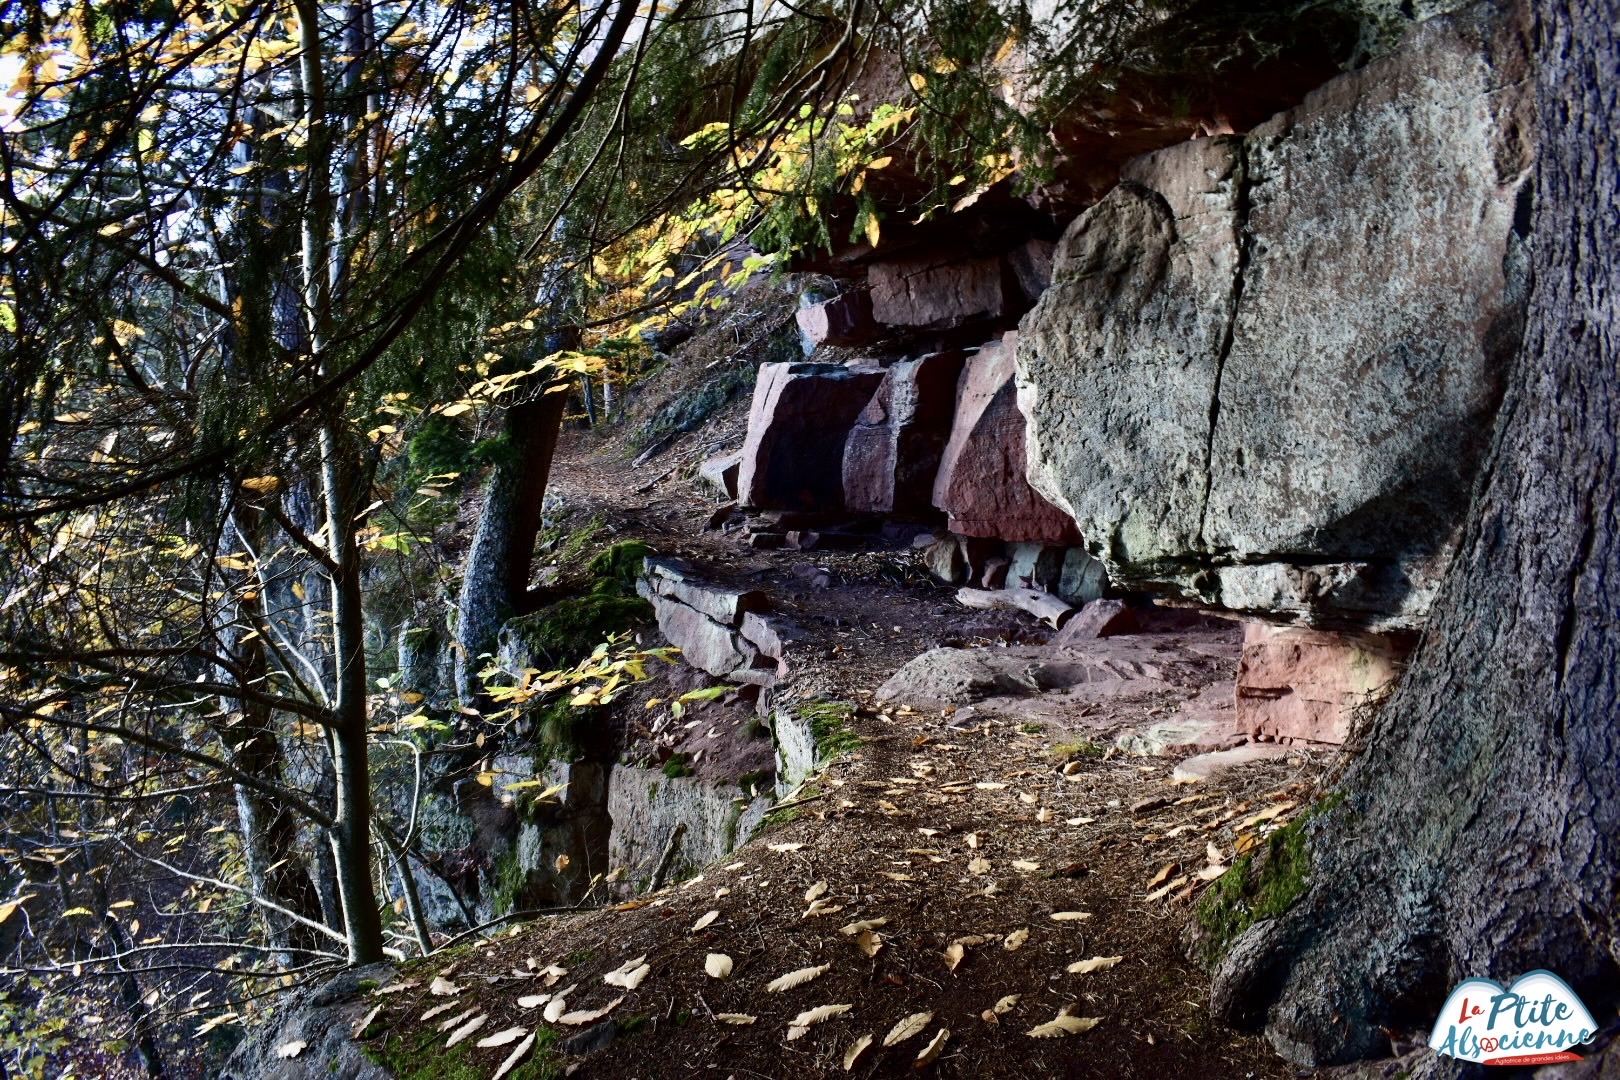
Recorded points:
(872, 229)
(918, 83)
(881, 162)
(262, 485)
(77, 911)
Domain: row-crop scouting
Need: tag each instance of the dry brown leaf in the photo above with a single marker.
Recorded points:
(1027, 799)
(852, 1056)
(823, 906)
(1062, 1025)
(718, 965)
(1070, 916)
(815, 890)
(628, 975)
(796, 978)
(457, 1020)
(989, 785)
(793, 846)
(1162, 876)
(1006, 1004)
(1167, 888)
(1213, 853)
(930, 1053)
(869, 942)
(1026, 865)
(503, 1038)
(1245, 843)
(514, 1057)
(395, 987)
(1270, 813)
(1015, 940)
(437, 1009)
(551, 973)
(289, 1050)
(555, 1008)
(1079, 820)
(1043, 815)
(811, 1017)
(954, 952)
(443, 987)
(979, 865)
(466, 1029)
(851, 929)
(740, 1019)
(589, 1016)
(1096, 963)
(1212, 873)
(706, 921)
(365, 1021)
(911, 1026)
(973, 840)
(532, 1001)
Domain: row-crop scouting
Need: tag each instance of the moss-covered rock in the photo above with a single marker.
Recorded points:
(1260, 885)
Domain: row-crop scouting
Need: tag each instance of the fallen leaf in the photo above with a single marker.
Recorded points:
(1063, 1025)
(1167, 888)
(704, 922)
(810, 1017)
(851, 929)
(466, 1029)
(1079, 821)
(514, 1057)
(442, 987)
(589, 1016)
(794, 846)
(718, 965)
(1245, 843)
(954, 952)
(796, 978)
(989, 785)
(1070, 916)
(1043, 815)
(815, 890)
(1026, 865)
(911, 1026)
(289, 1050)
(856, 1049)
(1006, 1004)
(1213, 853)
(1015, 940)
(868, 942)
(740, 1019)
(1096, 963)
(979, 865)
(1212, 873)
(395, 987)
(930, 1053)
(533, 1001)
(821, 907)
(555, 1008)
(457, 1020)
(365, 1021)
(502, 1038)
(897, 877)
(446, 1007)
(1162, 876)
(973, 840)
(628, 974)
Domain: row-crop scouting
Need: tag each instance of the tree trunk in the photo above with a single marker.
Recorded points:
(1480, 832)
(495, 580)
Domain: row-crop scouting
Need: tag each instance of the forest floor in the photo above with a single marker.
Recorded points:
(985, 858)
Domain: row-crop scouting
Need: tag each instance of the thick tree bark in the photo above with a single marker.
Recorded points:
(495, 580)
(1480, 833)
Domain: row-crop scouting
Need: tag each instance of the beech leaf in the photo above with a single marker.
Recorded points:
(718, 965)
(503, 1038)
(930, 1053)
(1062, 1025)
(856, 1049)
(706, 921)
(907, 1028)
(740, 1019)
(1096, 963)
(1015, 940)
(514, 1057)
(796, 978)
(466, 1029)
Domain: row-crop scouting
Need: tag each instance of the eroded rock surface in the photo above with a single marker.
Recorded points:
(894, 449)
(1267, 365)
(801, 416)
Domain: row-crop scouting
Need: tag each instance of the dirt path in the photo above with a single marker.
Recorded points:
(984, 857)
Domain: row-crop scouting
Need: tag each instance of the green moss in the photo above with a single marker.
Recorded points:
(775, 819)
(1260, 885)
(1068, 751)
(511, 883)
(569, 629)
(616, 568)
(829, 724)
(1031, 729)
(579, 956)
(419, 1054)
(676, 766)
(752, 782)
(366, 986)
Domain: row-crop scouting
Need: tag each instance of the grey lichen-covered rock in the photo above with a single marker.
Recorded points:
(1267, 365)
(323, 1020)
(646, 806)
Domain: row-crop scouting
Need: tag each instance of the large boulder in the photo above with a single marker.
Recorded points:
(844, 320)
(940, 292)
(894, 449)
(980, 482)
(1267, 366)
(793, 456)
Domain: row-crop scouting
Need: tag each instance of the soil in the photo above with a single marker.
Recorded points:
(951, 825)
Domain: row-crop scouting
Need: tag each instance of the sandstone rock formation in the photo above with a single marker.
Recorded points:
(801, 417)
(844, 320)
(894, 449)
(980, 482)
(939, 292)
(1306, 685)
(1267, 365)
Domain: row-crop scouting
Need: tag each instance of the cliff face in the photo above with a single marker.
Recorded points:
(1267, 366)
